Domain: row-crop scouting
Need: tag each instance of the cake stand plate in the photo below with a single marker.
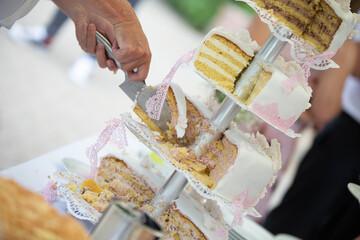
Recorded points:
(146, 136)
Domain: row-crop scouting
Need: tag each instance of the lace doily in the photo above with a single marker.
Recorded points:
(144, 134)
(76, 206)
(300, 49)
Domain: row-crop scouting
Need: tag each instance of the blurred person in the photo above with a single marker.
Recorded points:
(325, 105)
(318, 205)
(114, 18)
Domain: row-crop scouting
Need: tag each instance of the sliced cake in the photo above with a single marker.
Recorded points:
(219, 160)
(26, 215)
(184, 220)
(324, 24)
(186, 120)
(222, 56)
(189, 219)
(278, 97)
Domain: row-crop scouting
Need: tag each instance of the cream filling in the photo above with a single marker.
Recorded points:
(212, 53)
(215, 67)
(224, 48)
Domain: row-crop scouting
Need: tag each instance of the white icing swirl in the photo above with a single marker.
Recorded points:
(181, 123)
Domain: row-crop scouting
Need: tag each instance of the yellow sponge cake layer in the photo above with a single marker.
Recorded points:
(221, 60)
(262, 80)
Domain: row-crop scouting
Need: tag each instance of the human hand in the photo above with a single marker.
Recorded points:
(86, 27)
(129, 45)
(132, 49)
(117, 21)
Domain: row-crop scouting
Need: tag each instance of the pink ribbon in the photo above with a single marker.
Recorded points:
(115, 131)
(303, 73)
(155, 103)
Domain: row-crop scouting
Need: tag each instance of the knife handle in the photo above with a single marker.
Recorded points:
(103, 40)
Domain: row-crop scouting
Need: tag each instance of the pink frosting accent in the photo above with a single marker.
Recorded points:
(303, 73)
(239, 205)
(155, 103)
(270, 113)
(115, 131)
(291, 83)
(49, 191)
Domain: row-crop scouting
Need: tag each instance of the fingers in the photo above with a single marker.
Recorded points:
(102, 59)
(140, 74)
(91, 39)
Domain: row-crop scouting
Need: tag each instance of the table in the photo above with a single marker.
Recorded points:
(34, 175)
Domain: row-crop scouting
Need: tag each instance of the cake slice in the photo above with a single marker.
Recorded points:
(219, 160)
(222, 56)
(115, 175)
(247, 160)
(324, 24)
(186, 120)
(276, 97)
(186, 219)
(189, 219)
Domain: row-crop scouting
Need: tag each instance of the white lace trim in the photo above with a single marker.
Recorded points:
(77, 207)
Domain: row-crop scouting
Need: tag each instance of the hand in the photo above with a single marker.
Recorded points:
(132, 49)
(86, 27)
(118, 22)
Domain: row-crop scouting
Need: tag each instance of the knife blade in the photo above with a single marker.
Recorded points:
(138, 92)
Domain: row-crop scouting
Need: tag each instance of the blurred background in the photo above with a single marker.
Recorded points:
(52, 94)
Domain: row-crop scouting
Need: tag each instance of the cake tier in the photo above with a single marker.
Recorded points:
(184, 220)
(223, 56)
(324, 24)
(277, 98)
(214, 167)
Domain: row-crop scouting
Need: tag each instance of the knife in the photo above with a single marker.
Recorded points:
(137, 91)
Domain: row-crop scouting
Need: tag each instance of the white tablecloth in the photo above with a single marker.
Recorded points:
(35, 174)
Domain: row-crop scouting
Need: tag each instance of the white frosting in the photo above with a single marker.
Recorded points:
(252, 170)
(181, 124)
(287, 67)
(196, 212)
(294, 103)
(349, 20)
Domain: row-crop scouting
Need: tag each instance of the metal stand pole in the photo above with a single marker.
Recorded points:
(220, 121)
(228, 109)
(170, 191)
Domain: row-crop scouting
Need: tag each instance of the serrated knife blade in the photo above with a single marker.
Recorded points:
(138, 92)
